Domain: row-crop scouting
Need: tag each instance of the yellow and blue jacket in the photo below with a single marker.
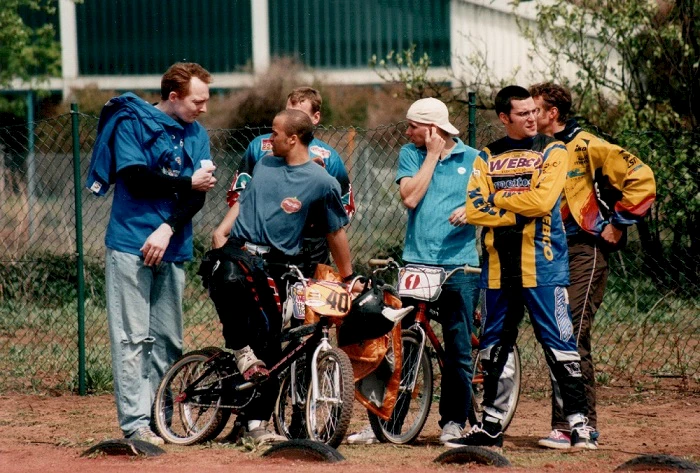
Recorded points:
(514, 192)
(604, 184)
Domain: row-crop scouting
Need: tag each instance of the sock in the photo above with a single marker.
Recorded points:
(575, 419)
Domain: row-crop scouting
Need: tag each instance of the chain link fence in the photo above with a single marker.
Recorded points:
(646, 332)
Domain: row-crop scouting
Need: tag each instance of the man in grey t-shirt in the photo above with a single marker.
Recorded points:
(286, 190)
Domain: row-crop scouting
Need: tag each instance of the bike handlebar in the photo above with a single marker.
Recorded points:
(374, 262)
(388, 262)
(471, 269)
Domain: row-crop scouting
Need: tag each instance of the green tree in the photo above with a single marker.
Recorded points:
(639, 79)
(27, 52)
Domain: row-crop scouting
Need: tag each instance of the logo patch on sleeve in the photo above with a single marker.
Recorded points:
(322, 153)
(266, 144)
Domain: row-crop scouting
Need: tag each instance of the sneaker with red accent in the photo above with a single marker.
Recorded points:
(557, 439)
(249, 365)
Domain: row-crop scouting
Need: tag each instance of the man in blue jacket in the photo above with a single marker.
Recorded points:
(158, 159)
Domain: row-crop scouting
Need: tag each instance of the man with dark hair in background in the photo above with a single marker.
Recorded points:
(309, 101)
(514, 192)
(157, 157)
(607, 189)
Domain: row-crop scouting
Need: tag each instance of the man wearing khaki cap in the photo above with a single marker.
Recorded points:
(432, 176)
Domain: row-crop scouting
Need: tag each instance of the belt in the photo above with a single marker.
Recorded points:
(256, 250)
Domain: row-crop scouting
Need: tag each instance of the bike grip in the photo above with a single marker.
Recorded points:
(471, 269)
(380, 262)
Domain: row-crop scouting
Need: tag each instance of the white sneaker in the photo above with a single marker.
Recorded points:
(263, 435)
(145, 434)
(249, 365)
(363, 437)
(450, 431)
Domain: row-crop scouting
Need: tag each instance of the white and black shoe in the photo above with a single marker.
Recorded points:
(481, 435)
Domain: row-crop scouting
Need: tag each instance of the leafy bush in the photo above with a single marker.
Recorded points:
(49, 280)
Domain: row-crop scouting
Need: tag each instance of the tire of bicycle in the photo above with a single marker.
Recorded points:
(476, 411)
(417, 402)
(289, 420)
(328, 422)
(170, 415)
(660, 462)
(472, 454)
(304, 450)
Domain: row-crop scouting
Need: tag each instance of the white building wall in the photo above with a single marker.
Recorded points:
(488, 29)
(484, 28)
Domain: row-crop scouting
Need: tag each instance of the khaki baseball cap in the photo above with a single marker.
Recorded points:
(433, 112)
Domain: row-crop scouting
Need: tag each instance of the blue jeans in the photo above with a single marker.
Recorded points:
(144, 314)
(456, 304)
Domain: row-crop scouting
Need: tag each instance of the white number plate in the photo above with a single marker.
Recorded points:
(421, 282)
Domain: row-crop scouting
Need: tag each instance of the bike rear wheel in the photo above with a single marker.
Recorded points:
(289, 415)
(186, 419)
(413, 405)
(513, 368)
(328, 411)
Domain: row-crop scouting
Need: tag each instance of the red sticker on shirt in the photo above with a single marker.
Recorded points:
(266, 145)
(291, 205)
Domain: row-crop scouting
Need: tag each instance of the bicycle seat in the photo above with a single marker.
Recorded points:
(396, 315)
(297, 332)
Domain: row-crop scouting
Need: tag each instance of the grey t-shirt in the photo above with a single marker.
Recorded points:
(281, 201)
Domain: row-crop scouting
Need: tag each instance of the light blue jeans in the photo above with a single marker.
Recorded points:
(144, 314)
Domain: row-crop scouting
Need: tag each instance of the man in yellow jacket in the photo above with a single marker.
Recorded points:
(607, 189)
(514, 193)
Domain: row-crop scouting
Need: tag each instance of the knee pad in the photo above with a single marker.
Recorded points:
(564, 364)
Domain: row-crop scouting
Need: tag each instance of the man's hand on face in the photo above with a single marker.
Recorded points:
(434, 143)
(203, 179)
(156, 244)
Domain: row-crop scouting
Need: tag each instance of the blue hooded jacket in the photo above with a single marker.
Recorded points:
(133, 132)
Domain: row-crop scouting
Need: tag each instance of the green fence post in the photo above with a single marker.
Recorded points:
(31, 167)
(472, 119)
(77, 182)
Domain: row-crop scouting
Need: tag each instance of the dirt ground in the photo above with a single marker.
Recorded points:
(48, 434)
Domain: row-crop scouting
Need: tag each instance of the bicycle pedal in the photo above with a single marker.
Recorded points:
(256, 374)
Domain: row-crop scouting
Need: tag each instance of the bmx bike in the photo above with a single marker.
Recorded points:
(201, 390)
(420, 346)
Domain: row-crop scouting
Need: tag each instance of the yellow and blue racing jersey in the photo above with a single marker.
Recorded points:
(514, 192)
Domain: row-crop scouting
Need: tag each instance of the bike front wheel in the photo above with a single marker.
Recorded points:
(187, 408)
(329, 410)
(511, 369)
(289, 415)
(414, 398)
